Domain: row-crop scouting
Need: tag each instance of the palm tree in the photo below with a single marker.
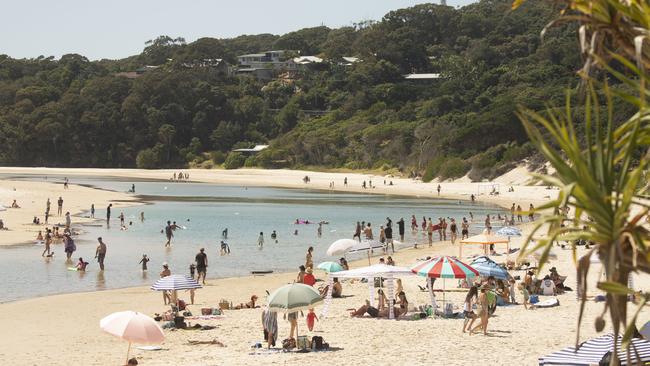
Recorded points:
(602, 175)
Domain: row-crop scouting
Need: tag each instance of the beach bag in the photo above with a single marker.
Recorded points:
(534, 299)
(303, 342)
(224, 304)
(317, 342)
(449, 308)
(206, 311)
(289, 343)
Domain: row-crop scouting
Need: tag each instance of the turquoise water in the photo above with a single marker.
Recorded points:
(205, 210)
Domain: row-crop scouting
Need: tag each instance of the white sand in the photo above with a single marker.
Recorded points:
(63, 329)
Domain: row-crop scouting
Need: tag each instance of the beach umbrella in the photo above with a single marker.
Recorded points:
(486, 267)
(340, 246)
(367, 246)
(593, 351)
(509, 231)
(443, 267)
(174, 283)
(330, 267)
(485, 240)
(292, 298)
(132, 327)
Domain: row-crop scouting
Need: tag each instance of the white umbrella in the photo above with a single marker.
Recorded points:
(132, 327)
(341, 246)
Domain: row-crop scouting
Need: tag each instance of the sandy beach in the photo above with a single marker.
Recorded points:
(64, 329)
(32, 197)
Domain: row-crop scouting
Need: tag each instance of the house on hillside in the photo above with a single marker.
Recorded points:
(422, 77)
(216, 65)
(252, 151)
(265, 66)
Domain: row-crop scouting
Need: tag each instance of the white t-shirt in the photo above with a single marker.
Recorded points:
(548, 288)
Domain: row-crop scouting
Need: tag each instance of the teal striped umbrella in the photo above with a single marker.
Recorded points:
(444, 267)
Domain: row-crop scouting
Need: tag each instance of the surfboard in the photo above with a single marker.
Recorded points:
(261, 272)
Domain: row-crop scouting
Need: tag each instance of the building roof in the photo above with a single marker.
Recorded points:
(253, 55)
(350, 59)
(257, 148)
(421, 76)
(307, 60)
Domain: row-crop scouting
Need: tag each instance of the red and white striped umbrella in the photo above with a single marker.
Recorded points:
(444, 267)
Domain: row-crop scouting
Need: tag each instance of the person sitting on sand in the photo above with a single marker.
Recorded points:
(367, 308)
(337, 289)
(39, 237)
(301, 274)
(309, 278)
(132, 362)
(547, 288)
(248, 305)
(14, 204)
(81, 265)
(557, 279)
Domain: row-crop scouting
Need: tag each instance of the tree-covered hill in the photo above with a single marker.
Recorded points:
(73, 112)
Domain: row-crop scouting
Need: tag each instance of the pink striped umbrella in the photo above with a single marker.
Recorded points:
(444, 267)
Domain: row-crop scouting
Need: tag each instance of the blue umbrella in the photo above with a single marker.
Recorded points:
(486, 267)
(509, 231)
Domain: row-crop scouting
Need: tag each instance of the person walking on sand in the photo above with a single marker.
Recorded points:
(439, 189)
(311, 319)
(47, 205)
(144, 261)
(68, 220)
(164, 273)
(201, 265)
(92, 211)
(519, 219)
(169, 233)
(531, 213)
(59, 210)
(309, 261)
(388, 232)
(482, 311)
(260, 240)
(100, 253)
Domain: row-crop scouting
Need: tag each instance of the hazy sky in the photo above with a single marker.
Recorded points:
(118, 28)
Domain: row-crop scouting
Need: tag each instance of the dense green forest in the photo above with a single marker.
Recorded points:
(74, 112)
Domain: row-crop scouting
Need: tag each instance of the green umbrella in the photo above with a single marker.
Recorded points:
(294, 297)
(330, 267)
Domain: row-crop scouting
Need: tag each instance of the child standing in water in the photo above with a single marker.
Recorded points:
(311, 317)
(144, 261)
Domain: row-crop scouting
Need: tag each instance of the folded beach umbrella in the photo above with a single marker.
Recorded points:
(294, 297)
(486, 267)
(509, 231)
(341, 246)
(594, 351)
(330, 267)
(132, 327)
(175, 282)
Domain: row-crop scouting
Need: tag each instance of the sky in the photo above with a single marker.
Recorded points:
(119, 28)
